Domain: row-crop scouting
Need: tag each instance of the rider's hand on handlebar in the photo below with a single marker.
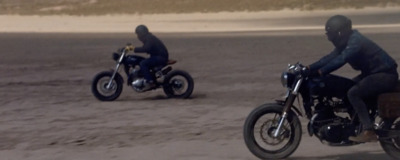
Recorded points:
(305, 71)
(129, 47)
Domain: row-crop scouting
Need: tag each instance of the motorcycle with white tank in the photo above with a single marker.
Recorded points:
(273, 130)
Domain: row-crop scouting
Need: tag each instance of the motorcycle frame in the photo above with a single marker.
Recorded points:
(122, 61)
(294, 93)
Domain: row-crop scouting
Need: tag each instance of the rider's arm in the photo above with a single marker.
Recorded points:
(145, 48)
(350, 52)
(323, 61)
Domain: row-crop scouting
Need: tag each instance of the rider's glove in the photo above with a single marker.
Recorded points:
(129, 47)
(305, 71)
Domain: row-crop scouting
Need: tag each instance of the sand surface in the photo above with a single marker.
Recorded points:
(48, 112)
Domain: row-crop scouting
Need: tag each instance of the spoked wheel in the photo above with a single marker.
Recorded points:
(178, 84)
(102, 91)
(391, 145)
(259, 130)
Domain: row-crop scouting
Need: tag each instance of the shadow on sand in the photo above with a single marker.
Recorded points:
(163, 97)
(352, 156)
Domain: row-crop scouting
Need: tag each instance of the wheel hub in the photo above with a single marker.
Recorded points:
(267, 131)
(105, 89)
(177, 84)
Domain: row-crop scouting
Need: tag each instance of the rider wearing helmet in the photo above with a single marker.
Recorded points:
(378, 69)
(153, 46)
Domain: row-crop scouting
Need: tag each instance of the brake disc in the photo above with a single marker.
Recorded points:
(267, 130)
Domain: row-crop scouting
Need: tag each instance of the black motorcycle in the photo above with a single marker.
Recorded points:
(273, 131)
(107, 85)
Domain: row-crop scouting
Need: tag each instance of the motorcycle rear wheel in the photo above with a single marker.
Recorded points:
(178, 84)
(259, 137)
(99, 86)
(392, 145)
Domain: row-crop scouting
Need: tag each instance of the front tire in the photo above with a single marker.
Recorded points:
(178, 84)
(99, 86)
(259, 136)
(392, 145)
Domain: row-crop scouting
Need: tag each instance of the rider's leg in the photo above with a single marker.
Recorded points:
(145, 69)
(371, 85)
(147, 64)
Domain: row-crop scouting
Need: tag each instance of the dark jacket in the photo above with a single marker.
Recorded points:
(360, 52)
(153, 46)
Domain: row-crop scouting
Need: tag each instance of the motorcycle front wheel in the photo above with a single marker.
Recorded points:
(178, 84)
(259, 129)
(102, 91)
(391, 145)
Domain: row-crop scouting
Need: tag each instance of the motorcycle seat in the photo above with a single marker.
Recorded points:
(159, 68)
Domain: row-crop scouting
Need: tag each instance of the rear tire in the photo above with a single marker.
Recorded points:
(259, 139)
(178, 84)
(99, 86)
(391, 146)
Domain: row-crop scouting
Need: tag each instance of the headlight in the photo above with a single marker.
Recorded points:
(116, 56)
(287, 79)
(284, 79)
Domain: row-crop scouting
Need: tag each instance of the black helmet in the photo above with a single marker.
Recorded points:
(141, 30)
(337, 26)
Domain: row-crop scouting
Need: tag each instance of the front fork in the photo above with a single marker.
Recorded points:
(121, 58)
(109, 85)
(287, 107)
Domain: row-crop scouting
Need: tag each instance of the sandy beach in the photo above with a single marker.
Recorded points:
(47, 64)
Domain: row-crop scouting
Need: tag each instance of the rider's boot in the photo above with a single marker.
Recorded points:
(365, 136)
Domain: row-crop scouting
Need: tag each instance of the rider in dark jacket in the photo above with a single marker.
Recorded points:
(153, 46)
(378, 69)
